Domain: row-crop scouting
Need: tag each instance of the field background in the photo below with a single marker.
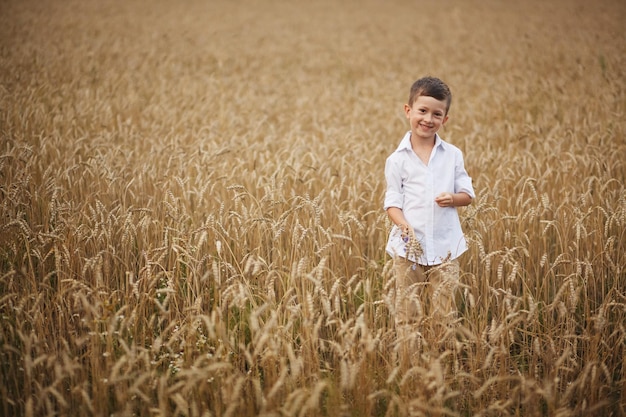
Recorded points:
(191, 220)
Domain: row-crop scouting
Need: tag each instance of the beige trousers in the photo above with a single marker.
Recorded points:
(425, 291)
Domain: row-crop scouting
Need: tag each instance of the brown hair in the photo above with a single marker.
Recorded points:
(431, 87)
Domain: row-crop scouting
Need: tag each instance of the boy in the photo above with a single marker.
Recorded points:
(426, 181)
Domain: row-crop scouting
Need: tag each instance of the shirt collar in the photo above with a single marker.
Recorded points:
(405, 143)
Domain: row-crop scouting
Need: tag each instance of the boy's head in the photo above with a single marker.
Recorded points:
(431, 87)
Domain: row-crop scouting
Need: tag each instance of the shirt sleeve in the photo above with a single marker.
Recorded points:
(394, 196)
(462, 182)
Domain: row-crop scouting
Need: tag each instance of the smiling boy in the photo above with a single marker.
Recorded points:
(426, 181)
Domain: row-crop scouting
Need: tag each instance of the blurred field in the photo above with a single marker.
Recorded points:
(191, 215)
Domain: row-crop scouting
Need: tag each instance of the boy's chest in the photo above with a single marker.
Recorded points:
(423, 155)
(416, 172)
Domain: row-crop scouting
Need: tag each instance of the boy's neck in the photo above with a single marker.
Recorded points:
(418, 142)
(422, 147)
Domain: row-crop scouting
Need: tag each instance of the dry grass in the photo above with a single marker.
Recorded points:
(191, 221)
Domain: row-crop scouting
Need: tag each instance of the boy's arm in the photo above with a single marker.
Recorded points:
(453, 200)
(397, 217)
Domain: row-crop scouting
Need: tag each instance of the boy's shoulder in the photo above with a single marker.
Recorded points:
(449, 146)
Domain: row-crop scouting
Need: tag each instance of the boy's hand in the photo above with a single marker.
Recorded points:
(445, 200)
(405, 232)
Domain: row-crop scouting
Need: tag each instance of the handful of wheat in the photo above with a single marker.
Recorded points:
(413, 248)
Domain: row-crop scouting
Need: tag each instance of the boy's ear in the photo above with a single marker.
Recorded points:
(407, 110)
(445, 119)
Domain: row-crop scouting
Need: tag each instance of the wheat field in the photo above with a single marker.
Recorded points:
(191, 215)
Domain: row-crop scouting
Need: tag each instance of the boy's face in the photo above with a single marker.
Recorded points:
(426, 116)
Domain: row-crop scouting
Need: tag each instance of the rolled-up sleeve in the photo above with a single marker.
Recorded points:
(462, 182)
(394, 196)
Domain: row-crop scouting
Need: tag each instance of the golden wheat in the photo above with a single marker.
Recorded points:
(191, 221)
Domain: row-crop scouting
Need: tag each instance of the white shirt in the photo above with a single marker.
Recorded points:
(412, 186)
